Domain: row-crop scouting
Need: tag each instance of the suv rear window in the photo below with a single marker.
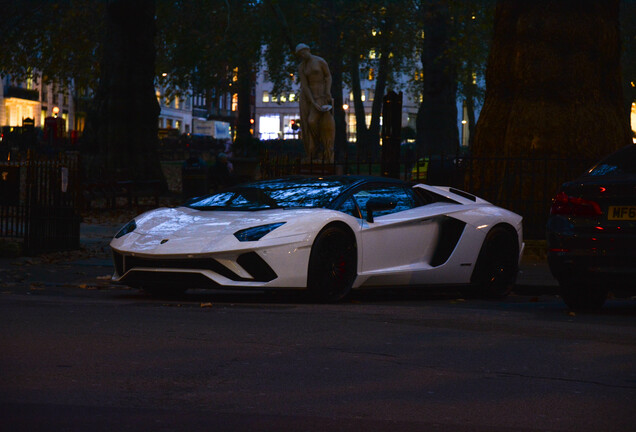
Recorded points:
(621, 162)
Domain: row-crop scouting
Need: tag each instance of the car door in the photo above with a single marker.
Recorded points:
(398, 242)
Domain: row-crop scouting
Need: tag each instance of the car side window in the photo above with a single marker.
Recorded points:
(349, 207)
(404, 197)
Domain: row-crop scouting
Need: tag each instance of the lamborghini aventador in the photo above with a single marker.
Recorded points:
(325, 235)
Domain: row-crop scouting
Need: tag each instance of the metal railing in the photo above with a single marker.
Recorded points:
(525, 185)
(39, 202)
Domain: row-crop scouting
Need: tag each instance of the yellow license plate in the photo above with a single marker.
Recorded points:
(621, 213)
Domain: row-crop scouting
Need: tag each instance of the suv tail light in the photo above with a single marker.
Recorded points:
(566, 205)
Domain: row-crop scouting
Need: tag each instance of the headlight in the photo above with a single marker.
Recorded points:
(256, 233)
(128, 228)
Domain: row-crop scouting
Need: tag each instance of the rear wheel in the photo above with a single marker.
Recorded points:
(332, 265)
(497, 265)
(581, 296)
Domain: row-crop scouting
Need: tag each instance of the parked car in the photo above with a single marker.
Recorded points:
(591, 232)
(326, 235)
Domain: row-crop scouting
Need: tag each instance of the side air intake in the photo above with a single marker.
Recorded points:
(451, 230)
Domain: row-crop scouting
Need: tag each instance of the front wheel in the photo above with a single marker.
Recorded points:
(497, 265)
(332, 265)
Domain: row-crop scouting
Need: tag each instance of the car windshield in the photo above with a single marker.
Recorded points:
(619, 163)
(285, 193)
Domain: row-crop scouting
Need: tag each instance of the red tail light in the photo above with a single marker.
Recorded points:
(566, 205)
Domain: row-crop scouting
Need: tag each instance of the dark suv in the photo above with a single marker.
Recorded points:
(592, 232)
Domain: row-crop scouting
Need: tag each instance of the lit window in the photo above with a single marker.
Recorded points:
(351, 127)
(274, 98)
(235, 74)
(176, 102)
(292, 97)
(158, 94)
(265, 97)
(363, 96)
(283, 97)
(235, 102)
(372, 54)
(371, 74)
(269, 127)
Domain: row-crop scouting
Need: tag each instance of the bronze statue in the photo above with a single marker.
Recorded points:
(316, 105)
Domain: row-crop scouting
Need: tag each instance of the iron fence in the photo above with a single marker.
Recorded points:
(525, 185)
(38, 201)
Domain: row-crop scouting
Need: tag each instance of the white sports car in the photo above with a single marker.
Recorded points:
(327, 235)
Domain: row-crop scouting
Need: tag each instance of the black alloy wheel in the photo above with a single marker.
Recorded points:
(497, 265)
(332, 265)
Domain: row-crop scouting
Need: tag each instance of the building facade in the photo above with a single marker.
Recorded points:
(176, 112)
(32, 101)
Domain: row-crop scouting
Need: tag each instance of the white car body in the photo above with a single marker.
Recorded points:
(396, 249)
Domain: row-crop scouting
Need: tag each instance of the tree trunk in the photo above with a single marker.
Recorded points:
(470, 110)
(553, 97)
(121, 140)
(245, 84)
(362, 133)
(437, 131)
(553, 83)
(331, 50)
(380, 90)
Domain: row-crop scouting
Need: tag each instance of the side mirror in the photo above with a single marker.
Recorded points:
(379, 204)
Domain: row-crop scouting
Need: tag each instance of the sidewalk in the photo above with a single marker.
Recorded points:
(534, 272)
(91, 266)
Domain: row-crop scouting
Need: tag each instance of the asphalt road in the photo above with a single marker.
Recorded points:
(105, 358)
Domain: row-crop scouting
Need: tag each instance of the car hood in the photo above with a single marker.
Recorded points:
(184, 230)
